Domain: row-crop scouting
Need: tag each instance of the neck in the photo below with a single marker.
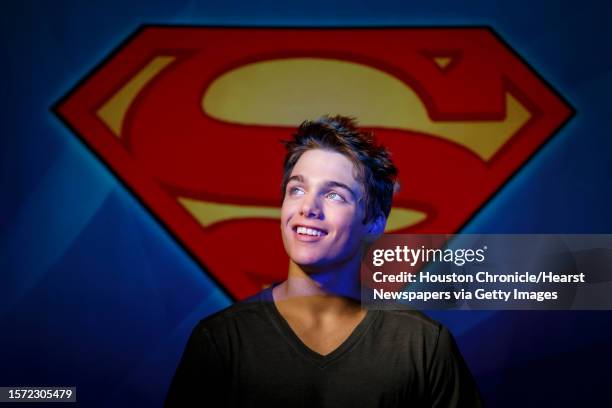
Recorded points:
(331, 290)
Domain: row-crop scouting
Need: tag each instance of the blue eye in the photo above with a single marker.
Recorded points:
(335, 196)
(295, 191)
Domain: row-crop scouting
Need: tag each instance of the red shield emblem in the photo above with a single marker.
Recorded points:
(190, 119)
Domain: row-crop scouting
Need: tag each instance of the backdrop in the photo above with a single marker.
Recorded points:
(107, 261)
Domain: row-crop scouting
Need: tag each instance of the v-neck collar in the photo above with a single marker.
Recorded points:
(267, 301)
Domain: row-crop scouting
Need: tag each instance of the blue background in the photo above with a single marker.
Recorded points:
(95, 293)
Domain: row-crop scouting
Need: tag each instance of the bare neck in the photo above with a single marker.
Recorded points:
(331, 292)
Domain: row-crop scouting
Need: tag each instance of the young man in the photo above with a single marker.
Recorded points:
(307, 341)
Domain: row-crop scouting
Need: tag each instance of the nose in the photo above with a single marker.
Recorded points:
(311, 208)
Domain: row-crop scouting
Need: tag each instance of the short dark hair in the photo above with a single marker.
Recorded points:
(375, 170)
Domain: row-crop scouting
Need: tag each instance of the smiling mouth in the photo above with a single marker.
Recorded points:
(306, 231)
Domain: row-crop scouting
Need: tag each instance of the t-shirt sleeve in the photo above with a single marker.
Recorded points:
(200, 378)
(451, 383)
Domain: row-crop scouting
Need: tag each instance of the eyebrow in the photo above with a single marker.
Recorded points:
(296, 178)
(330, 183)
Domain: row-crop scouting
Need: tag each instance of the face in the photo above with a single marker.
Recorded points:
(322, 212)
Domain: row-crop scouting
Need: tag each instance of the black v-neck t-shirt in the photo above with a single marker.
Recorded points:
(248, 356)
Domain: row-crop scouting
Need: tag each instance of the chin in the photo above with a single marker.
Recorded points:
(307, 262)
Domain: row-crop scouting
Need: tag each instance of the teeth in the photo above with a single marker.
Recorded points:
(309, 231)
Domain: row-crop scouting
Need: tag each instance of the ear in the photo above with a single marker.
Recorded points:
(376, 227)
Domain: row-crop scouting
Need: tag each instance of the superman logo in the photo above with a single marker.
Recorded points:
(190, 119)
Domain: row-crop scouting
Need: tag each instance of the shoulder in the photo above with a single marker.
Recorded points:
(411, 322)
(244, 316)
